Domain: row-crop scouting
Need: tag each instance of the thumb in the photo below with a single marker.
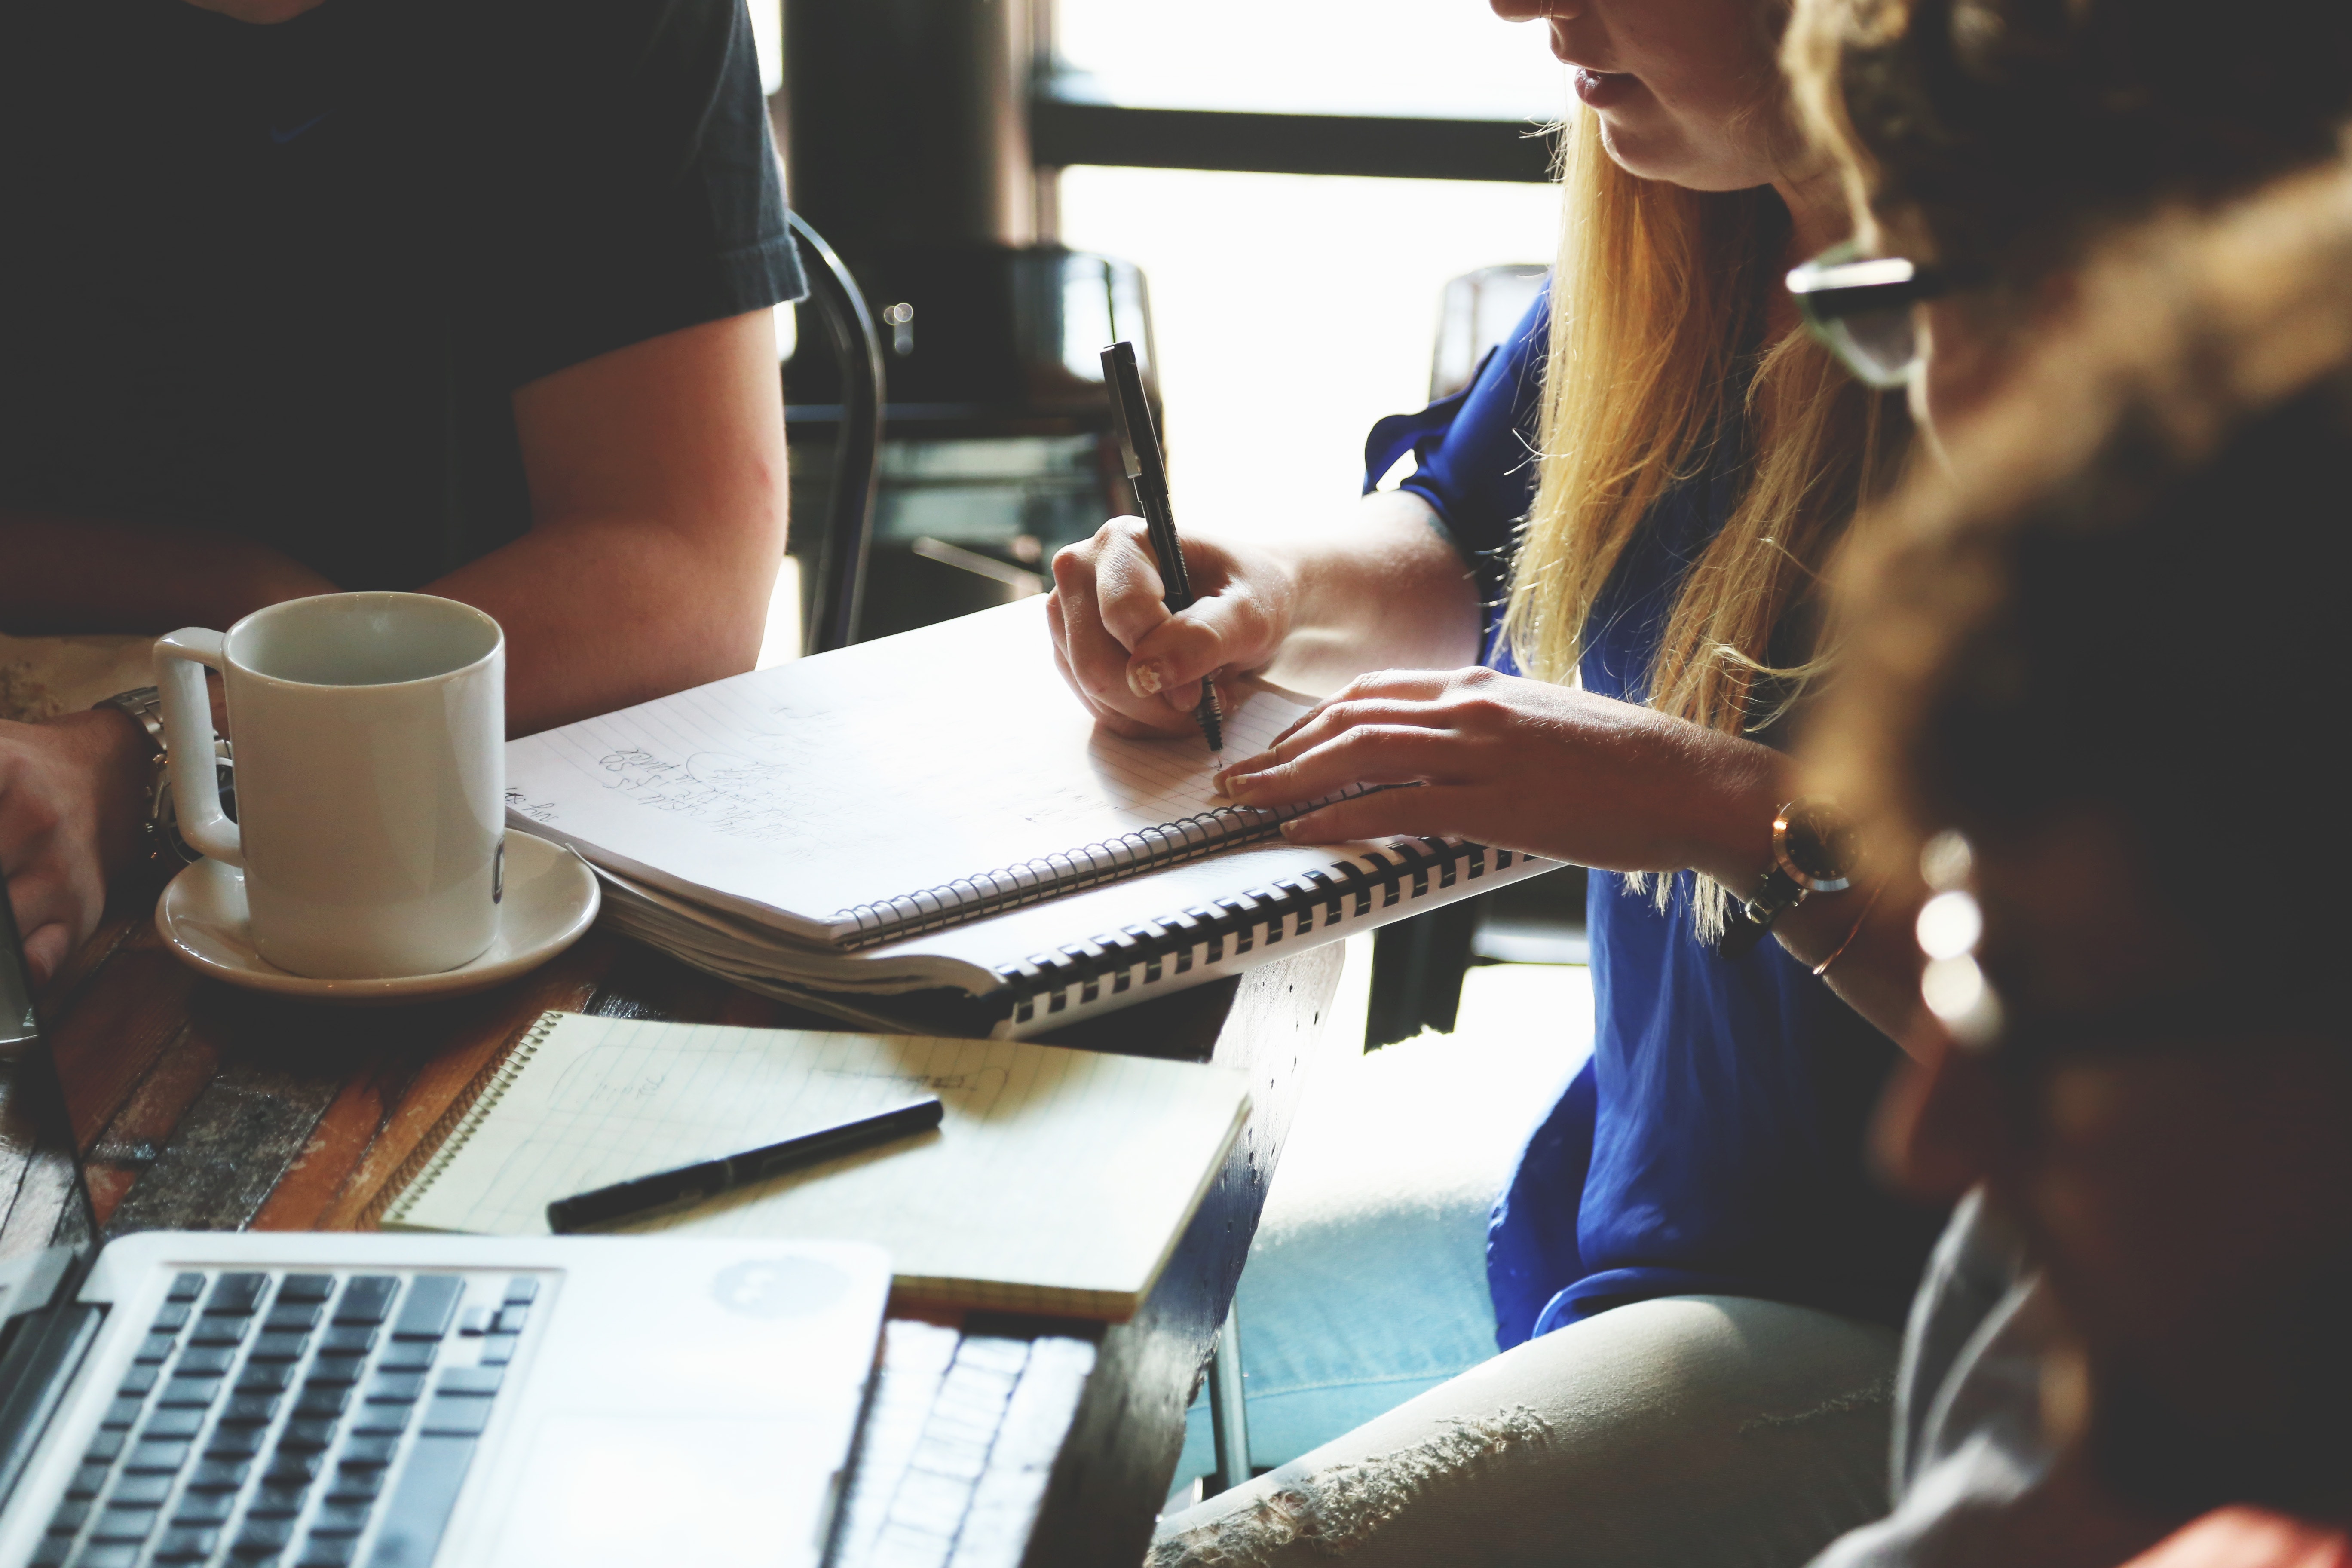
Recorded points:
(1226, 631)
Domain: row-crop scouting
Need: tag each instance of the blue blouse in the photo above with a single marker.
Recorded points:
(1713, 1144)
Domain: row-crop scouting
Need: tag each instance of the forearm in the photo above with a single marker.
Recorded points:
(1383, 589)
(1866, 928)
(608, 611)
(95, 574)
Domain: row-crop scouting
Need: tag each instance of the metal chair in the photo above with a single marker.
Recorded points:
(837, 310)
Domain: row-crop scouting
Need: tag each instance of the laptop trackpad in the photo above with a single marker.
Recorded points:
(634, 1490)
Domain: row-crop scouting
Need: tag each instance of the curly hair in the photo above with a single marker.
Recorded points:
(2005, 135)
(2130, 599)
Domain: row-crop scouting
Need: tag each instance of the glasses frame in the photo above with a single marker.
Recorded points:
(1841, 284)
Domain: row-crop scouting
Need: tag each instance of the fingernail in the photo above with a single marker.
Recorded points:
(1290, 829)
(1145, 680)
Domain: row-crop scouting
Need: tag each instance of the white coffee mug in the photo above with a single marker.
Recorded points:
(369, 735)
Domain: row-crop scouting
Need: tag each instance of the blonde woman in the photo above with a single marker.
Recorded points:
(1695, 1283)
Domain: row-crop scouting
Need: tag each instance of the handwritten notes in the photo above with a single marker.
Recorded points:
(793, 795)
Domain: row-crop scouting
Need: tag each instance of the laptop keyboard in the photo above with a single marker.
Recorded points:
(298, 1419)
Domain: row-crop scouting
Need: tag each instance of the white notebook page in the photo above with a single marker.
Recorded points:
(852, 778)
(1059, 1180)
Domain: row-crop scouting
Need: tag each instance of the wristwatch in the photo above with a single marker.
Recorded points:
(1813, 852)
(160, 826)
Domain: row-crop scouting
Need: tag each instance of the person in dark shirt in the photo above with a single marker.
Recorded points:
(471, 297)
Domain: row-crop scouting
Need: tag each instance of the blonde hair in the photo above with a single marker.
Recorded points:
(1657, 354)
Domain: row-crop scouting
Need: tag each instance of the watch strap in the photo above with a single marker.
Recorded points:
(1776, 894)
(145, 704)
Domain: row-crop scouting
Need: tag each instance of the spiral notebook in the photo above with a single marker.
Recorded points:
(1059, 1181)
(936, 812)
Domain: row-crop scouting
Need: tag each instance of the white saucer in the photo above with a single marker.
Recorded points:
(551, 900)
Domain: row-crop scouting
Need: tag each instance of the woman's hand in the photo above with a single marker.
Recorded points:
(1524, 765)
(69, 794)
(1138, 668)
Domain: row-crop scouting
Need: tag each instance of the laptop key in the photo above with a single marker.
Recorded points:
(139, 1380)
(156, 1459)
(327, 1552)
(109, 1554)
(475, 1321)
(51, 1551)
(277, 1347)
(369, 1450)
(306, 1436)
(360, 1483)
(218, 1475)
(418, 1511)
(337, 1369)
(461, 1416)
(262, 1538)
(220, 1329)
(293, 1318)
(139, 1491)
(510, 1320)
(186, 1544)
(265, 1377)
(408, 1356)
(71, 1515)
(190, 1391)
(204, 1361)
(204, 1508)
(234, 1443)
(249, 1410)
(85, 1481)
(498, 1350)
(155, 1347)
(291, 1470)
(395, 1387)
(306, 1288)
(319, 1400)
(170, 1317)
(124, 1412)
(432, 1302)
(367, 1299)
(348, 1338)
(381, 1420)
(105, 1445)
(340, 1518)
(521, 1290)
(237, 1294)
(124, 1524)
(185, 1288)
(275, 1502)
(481, 1379)
(173, 1424)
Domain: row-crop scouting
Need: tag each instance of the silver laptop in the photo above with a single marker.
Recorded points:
(314, 1401)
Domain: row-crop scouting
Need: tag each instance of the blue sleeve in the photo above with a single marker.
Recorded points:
(1475, 451)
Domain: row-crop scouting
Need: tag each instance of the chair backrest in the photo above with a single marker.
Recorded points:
(837, 309)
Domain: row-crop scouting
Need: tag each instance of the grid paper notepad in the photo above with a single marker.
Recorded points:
(1059, 1181)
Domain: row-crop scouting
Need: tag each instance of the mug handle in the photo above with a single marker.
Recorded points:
(179, 661)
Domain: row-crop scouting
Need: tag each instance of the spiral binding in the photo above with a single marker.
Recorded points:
(1033, 881)
(462, 1120)
(1116, 955)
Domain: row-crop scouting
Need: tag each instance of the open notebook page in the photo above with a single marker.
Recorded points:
(793, 793)
(1059, 1180)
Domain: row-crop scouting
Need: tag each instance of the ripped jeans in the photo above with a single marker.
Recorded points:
(1695, 1431)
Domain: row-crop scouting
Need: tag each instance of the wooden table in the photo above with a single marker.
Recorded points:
(199, 1107)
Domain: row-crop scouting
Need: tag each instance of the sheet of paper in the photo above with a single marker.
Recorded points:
(856, 777)
(1059, 1179)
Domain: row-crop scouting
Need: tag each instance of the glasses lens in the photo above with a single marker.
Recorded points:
(1881, 347)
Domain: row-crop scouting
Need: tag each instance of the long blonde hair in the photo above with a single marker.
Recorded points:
(1657, 353)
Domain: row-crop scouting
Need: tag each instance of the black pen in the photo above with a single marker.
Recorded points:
(1139, 447)
(692, 1183)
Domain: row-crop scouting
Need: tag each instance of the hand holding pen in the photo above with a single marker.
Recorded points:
(1139, 444)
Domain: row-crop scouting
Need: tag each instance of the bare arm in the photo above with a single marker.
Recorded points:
(656, 480)
(1310, 607)
(93, 574)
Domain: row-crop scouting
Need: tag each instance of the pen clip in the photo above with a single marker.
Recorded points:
(1121, 377)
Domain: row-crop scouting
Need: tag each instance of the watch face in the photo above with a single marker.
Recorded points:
(1819, 844)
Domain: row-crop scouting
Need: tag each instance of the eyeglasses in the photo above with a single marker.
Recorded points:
(1969, 1005)
(1859, 308)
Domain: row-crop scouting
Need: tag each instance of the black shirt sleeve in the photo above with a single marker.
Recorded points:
(641, 195)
